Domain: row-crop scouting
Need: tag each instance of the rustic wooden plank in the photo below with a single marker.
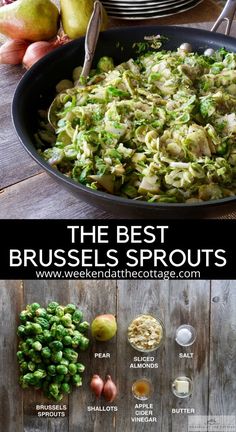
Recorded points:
(222, 388)
(11, 152)
(175, 303)
(41, 197)
(134, 298)
(95, 298)
(189, 302)
(11, 170)
(43, 292)
(10, 392)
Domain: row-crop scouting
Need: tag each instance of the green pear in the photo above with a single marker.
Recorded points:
(104, 327)
(75, 15)
(32, 20)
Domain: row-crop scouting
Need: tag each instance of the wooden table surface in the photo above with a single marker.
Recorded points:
(209, 306)
(26, 192)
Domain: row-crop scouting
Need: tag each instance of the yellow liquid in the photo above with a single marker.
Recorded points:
(142, 389)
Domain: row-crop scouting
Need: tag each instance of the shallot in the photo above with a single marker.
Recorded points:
(97, 385)
(13, 51)
(109, 389)
(37, 50)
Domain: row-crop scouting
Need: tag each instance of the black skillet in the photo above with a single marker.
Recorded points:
(36, 89)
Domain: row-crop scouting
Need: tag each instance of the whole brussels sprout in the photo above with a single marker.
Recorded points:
(60, 311)
(72, 368)
(80, 367)
(20, 356)
(39, 374)
(51, 308)
(41, 312)
(21, 331)
(21, 344)
(29, 342)
(77, 316)
(59, 397)
(43, 322)
(84, 343)
(47, 336)
(53, 330)
(70, 355)
(24, 367)
(77, 380)
(31, 366)
(67, 378)
(54, 389)
(65, 388)
(37, 346)
(35, 356)
(75, 341)
(70, 331)
(70, 308)
(52, 370)
(60, 332)
(46, 352)
(66, 320)
(83, 327)
(36, 328)
(23, 383)
(30, 379)
(59, 378)
(64, 362)
(56, 346)
(54, 319)
(24, 316)
(76, 333)
(62, 369)
(57, 356)
(33, 307)
(67, 340)
(40, 338)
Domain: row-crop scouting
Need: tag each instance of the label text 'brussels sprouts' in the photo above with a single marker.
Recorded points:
(111, 246)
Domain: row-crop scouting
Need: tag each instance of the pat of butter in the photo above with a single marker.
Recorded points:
(182, 386)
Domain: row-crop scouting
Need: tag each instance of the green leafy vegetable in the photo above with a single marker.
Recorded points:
(154, 129)
(48, 348)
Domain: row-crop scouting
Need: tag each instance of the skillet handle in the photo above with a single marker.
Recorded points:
(227, 15)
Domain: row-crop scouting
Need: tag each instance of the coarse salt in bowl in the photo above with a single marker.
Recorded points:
(185, 335)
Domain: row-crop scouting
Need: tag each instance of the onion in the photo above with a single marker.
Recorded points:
(97, 385)
(109, 390)
(13, 51)
(37, 50)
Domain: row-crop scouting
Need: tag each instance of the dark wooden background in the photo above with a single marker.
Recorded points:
(209, 306)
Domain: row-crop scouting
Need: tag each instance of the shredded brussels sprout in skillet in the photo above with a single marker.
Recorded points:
(161, 128)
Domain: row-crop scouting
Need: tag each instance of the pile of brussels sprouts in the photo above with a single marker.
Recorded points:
(49, 340)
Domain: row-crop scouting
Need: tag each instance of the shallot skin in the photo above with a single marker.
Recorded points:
(109, 389)
(39, 49)
(97, 385)
(36, 51)
(13, 51)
